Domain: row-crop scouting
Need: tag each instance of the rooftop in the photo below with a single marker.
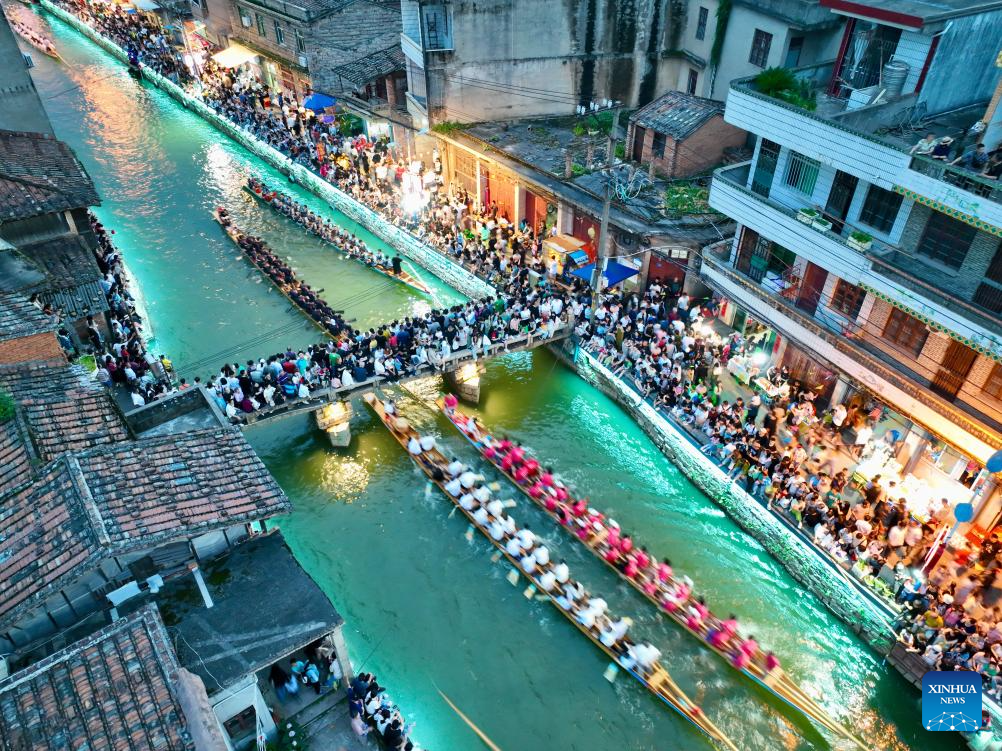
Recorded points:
(677, 114)
(116, 690)
(89, 506)
(15, 459)
(808, 15)
(369, 68)
(19, 317)
(62, 408)
(265, 606)
(912, 13)
(40, 175)
(71, 283)
(310, 10)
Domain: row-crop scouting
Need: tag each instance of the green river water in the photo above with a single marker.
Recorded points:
(425, 608)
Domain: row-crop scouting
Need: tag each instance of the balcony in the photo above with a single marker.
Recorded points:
(870, 140)
(843, 348)
(882, 267)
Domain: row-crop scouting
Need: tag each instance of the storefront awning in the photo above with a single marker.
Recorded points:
(234, 55)
(147, 5)
(614, 273)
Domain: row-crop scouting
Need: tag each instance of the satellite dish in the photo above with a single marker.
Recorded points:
(994, 463)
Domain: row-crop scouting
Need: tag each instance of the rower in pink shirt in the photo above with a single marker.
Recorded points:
(579, 507)
(547, 478)
(664, 570)
(613, 537)
(536, 490)
(631, 568)
(625, 545)
(532, 467)
(562, 493)
(642, 558)
(771, 662)
(507, 461)
(521, 474)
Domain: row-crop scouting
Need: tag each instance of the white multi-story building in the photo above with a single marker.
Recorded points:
(871, 270)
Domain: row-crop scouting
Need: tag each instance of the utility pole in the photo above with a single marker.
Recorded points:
(602, 245)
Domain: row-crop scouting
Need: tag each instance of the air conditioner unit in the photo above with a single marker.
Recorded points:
(302, 60)
(246, 21)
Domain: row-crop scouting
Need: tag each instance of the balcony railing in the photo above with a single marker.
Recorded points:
(889, 261)
(961, 178)
(851, 343)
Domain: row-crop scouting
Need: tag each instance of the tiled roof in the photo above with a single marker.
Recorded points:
(72, 276)
(265, 606)
(116, 690)
(62, 407)
(15, 459)
(40, 175)
(125, 497)
(19, 317)
(676, 114)
(367, 69)
(154, 489)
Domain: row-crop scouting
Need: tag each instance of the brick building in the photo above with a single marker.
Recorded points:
(681, 135)
(25, 332)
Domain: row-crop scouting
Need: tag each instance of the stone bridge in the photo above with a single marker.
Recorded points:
(451, 368)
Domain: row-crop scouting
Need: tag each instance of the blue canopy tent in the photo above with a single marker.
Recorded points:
(318, 102)
(614, 273)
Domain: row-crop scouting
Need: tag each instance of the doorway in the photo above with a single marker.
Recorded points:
(811, 287)
(953, 370)
(839, 200)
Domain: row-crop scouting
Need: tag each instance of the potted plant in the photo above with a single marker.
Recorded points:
(860, 240)
(807, 215)
(821, 224)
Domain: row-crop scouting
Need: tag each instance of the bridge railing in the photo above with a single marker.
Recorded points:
(320, 396)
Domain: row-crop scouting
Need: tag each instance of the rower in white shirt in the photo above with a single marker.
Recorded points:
(480, 517)
(455, 468)
(482, 494)
(528, 563)
(572, 593)
(454, 487)
(513, 548)
(561, 572)
(468, 502)
(496, 530)
(614, 632)
(507, 523)
(495, 507)
(525, 537)
(646, 656)
(468, 479)
(414, 446)
(542, 556)
(427, 443)
(547, 581)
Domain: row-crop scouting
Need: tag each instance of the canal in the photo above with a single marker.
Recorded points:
(426, 608)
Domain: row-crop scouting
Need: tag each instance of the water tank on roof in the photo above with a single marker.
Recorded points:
(895, 73)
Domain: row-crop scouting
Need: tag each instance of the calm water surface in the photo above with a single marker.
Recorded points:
(426, 608)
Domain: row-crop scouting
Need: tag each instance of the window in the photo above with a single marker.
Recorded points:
(279, 33)
(802, 173)
(704, 13)
(880, 208)
(848, 298)
(693, 81)
(946, 240)
(906, 331)
(300, 42)
(658, 147)
(260, 25)
(760, 45)
(993, 384)
(437, 21)
(245, 17)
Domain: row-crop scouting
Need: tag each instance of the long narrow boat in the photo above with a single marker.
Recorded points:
(234, 234)
(658, 682)
(776, 681)
(32, 37)
(403, 277)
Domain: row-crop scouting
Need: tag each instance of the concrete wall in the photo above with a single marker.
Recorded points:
(523, 58)
(963, 70)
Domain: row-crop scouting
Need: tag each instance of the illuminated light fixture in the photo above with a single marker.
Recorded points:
(335, 419)
(469, 373)
(759, 358)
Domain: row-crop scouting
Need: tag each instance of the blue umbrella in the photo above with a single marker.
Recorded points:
(318, 102)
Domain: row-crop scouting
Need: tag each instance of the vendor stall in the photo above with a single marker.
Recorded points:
(567, 251)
